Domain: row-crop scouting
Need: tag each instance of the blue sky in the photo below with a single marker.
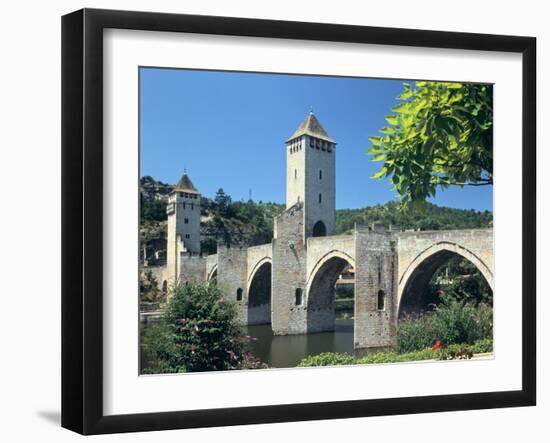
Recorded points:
(228, 131)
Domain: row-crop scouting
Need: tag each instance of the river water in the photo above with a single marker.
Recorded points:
(285, 351)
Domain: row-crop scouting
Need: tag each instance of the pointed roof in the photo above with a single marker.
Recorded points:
(186, 185)
(311, 126)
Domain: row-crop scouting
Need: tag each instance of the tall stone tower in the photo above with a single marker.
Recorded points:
(311, 178)
(184, 218)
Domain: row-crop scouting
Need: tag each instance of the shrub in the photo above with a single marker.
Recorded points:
(458, 322)
(328, 359)
(198, 332)
(442, 353)
(464, 351)
(414, 334)
(484, 319)
(451, 322)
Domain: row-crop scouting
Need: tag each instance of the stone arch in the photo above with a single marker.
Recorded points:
(213, 274)
(319, 229)
(319, 302)
(259, 293)
(420, 270)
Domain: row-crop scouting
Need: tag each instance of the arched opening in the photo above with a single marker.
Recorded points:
(213, 277)
(259, 296)
(439, 276)
(320, 198)
(239, 294)
(330, 298)
(319, 229)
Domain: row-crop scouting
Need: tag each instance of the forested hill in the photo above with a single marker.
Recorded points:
(251, 222)
(428, 217)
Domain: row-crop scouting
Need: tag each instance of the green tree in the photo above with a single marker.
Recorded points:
(439, 135)
(198, 332)
(223, 202)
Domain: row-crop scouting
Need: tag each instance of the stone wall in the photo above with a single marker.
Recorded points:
(192, 267)
(376, 270)
(288, 275)
(232, 266)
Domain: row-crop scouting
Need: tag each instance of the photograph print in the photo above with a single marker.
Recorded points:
(292, 221)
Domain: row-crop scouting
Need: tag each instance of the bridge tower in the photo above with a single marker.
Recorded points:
(184, 215)
(311, 178)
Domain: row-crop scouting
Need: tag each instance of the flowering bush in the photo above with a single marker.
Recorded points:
(198, 332)
(452, 321)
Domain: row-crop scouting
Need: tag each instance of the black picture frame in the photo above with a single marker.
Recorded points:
(82, 190)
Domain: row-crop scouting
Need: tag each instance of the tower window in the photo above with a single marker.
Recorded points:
(192, 206)
(320, 198)
(329, 147)
(320, 174)
(183, 205)
(186, 220)
(187, 236)
(311, 142)
(298, 297)
(239, 294)
(381, 300)
(295, 174)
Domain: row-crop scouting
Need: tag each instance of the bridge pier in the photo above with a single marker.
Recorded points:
(375, 288)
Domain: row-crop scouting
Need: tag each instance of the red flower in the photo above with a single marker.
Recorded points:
(437, 345)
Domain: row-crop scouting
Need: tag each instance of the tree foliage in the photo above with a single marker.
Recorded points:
(440, 134)
(198, 332)
(428, 218)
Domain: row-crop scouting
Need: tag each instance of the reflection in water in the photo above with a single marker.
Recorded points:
(284, 351)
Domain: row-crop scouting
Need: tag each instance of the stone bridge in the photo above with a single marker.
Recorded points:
(289, 283)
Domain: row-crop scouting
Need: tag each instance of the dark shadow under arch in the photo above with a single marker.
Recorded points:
(415, 298)
(320, 310)
(259, 296)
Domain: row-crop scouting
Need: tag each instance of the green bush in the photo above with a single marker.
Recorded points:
(451, 322)
(395, 357)
(455, 322)
(415, 334)
(464, 351)
(484, 319)
(198, 332)
(446, 353)
(328, 359)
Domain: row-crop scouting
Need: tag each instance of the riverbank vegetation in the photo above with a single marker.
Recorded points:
(451, 352)
(197, 332)
(453, 328)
